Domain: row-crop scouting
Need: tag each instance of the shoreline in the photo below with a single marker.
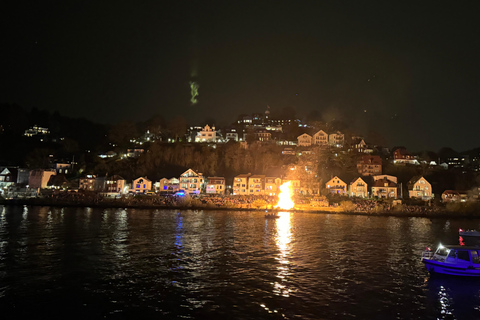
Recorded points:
(43, 202)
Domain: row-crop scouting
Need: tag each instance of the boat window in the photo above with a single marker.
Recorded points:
(463, 255)
(442, 251)
(452, 254)
(474, 255)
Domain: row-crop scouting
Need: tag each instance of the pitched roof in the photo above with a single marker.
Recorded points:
(370, 160)
(381, 183)
(356, 179)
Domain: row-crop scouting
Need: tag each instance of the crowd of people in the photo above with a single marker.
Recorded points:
(224, 201)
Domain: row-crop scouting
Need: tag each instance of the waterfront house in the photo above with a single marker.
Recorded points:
(272, 185)
(420, 188)
(58, 181)
(39, 178)
(336, 186)
(215, 185)
(191, 182)
(141, 185)
(383, 187)
(87, 182)
(110, 184)
(256, 185)
(167, 185)
(240, 184)
(13, 175)
(304, 140)
(358, 188)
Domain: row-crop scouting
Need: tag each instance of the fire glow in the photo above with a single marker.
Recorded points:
(285, 197)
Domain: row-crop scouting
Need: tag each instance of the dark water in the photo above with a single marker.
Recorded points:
(82, 263)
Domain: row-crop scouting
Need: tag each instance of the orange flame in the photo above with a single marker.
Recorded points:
(285, 197)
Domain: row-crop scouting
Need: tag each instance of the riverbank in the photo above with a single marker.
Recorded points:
(196, 204)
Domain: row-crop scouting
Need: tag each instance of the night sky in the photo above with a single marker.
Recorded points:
(406, 70)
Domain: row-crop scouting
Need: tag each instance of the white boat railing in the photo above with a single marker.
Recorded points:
(427, 255)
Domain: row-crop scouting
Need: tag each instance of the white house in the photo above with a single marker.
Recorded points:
(168, 185)
(141, 185)
(420, 188)
(191, 182)
(304, 140)
(358, 188)
(336, 186)
(320, 138)
(216, 185)
(240, 184)
(336, 139)
(207, 134)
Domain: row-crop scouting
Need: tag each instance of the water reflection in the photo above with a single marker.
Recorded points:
(283, 240)
(454, 297)
(178, 233)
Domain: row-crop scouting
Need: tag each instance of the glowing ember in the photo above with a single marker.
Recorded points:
(285, 197)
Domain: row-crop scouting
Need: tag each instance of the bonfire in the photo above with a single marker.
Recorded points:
(285, 201)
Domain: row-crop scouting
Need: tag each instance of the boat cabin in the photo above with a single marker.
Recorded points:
(455, 254)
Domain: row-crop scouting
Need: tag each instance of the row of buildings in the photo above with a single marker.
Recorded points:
(190, 182)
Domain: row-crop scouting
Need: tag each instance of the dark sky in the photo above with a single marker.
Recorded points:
(407, 70)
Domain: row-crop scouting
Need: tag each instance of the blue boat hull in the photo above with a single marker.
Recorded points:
(451, 269)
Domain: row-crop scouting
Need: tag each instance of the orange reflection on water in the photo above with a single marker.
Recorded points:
(283, 240)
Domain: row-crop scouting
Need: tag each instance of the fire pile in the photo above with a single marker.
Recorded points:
(285, 201)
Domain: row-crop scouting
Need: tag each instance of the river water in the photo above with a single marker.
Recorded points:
(91, 263)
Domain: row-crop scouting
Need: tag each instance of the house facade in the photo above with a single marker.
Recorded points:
(402, 156)
(13, 176)
(168, 185)
(111, 184)
(87, 182)
(359, 145)
(263, 135)
(304, 140)
(369, 165)
(191, 182)
(320, 138)
(141, 185)
(420, 188)
(358, 188)
(385, 188)
(39, 178)
(256, 185)
(240, 184)
(336, 186)
(272, 186)
(215, 185)
(336, 139)
(207, 134)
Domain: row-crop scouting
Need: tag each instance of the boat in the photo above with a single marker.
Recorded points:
(454, 260)
(468, 233)
(271, 216)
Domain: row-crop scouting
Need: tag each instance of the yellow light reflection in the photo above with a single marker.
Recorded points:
(283, 240)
